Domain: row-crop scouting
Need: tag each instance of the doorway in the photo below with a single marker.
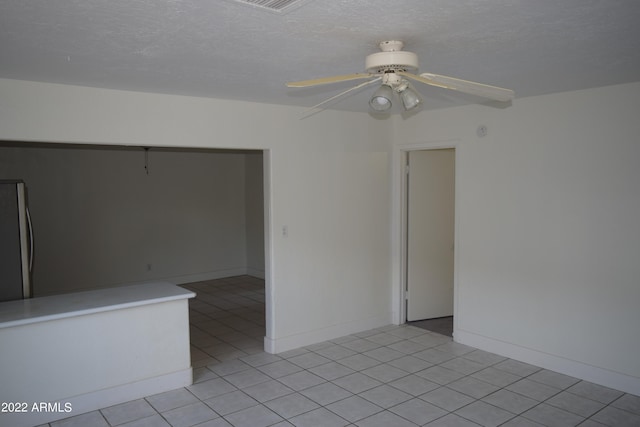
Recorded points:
(429, 239)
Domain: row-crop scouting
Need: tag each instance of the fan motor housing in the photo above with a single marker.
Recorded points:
(381, 62)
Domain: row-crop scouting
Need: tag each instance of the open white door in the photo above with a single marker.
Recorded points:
(430, 233)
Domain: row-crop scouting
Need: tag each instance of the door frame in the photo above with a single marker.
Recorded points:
(399, 220)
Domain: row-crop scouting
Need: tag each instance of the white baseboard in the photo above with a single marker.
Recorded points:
(101, 399)
(280, 345)
(594, 374)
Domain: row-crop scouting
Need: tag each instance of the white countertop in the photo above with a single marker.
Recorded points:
(42, 309)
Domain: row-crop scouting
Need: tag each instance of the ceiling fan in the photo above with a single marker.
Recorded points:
(394, 67)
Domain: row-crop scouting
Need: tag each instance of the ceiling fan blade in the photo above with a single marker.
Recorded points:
(361, 85)
(464, 86)
(327, 80)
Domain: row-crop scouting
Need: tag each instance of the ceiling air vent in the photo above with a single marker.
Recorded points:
(279, 6)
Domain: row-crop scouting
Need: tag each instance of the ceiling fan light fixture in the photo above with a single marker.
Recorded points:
(410, 98)
(381, 99)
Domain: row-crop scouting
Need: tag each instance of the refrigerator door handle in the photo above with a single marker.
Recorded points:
(30, 227)
(26, 238)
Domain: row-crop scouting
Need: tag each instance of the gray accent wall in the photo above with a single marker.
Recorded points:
(102, 218)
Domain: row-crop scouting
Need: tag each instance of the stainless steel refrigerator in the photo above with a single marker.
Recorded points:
(16, 242)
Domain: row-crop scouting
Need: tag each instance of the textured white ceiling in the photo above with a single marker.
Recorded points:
(229, 50)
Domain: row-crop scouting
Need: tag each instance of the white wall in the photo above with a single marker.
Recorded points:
(547, 233)
(547, 240)
(327, 178)
(101, 220)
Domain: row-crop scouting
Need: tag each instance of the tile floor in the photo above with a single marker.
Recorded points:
(394, 376)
